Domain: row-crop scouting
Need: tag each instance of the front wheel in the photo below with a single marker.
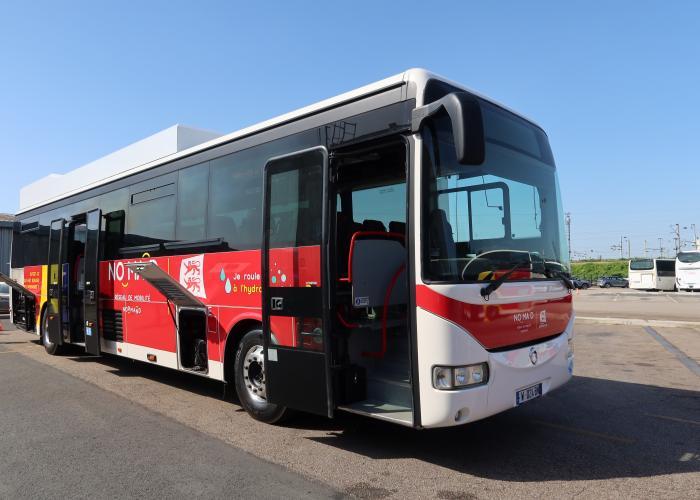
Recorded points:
(251, 384)
(607, 285)
(51, 348)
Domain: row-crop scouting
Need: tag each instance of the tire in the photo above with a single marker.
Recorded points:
(607, 285)
(51, 348)
(249, 369)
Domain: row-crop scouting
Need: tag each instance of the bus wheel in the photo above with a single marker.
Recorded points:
(51, 348)
(249, 367)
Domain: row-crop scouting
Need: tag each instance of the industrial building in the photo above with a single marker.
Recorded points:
(6, 223)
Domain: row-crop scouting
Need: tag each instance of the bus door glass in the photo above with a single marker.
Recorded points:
(56, 281)
(91, 283)
(294, 286)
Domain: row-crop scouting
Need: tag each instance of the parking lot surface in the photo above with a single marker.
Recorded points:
(628, 424)
(64, 437)
(637, 304)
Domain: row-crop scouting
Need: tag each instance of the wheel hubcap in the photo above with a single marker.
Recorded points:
(254, 373)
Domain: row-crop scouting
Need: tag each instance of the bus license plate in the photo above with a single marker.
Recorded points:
(525, 395)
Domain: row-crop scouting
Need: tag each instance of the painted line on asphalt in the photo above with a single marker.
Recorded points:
(585, 432)
(674, 419)
(640, 322)
(689, 363)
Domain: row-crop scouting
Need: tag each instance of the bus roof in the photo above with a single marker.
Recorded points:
(180, 141)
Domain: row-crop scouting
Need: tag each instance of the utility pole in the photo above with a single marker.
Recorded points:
(646, 254)
(629, 249)
(621, 254)
(568, 231)
(661, 247)
(677, 238)
(696, 241)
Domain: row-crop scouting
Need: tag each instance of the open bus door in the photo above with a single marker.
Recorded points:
(57, 251)
(91, 289)
(23, 304)
(296, 323)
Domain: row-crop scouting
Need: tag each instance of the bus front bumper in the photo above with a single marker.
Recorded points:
(541, 368)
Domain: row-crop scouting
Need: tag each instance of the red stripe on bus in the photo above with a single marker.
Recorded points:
(500, 325)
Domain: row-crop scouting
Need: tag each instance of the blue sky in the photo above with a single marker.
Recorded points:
(615, 85)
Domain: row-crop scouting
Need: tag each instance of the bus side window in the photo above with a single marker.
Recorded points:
(114, 234)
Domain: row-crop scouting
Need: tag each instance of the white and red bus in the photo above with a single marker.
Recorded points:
(396, 251)
(688, 270)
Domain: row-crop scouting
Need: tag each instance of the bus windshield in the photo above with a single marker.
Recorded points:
(482, 221)
(641, 265)
(689, 257)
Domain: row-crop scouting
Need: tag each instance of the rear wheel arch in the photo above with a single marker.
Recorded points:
(40, 323)
(52, 349)
(233, 339)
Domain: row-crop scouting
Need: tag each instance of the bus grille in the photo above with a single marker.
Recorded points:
(112, 325)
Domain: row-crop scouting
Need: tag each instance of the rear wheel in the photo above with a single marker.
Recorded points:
(251, 384)
(51, 348)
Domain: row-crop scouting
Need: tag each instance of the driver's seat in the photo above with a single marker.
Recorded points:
(442, 251)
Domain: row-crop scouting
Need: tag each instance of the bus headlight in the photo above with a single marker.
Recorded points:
(442, 377)
(446, 378)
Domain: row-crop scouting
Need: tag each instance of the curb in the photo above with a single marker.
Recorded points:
(639, 322)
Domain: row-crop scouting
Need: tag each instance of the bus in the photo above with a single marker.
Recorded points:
(688, 270)
(652, 274)
(396, 252)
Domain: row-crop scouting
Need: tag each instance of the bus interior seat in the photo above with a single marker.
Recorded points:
(249, 227)
(375, 261)
(226, 225)
(307, 229)
(373, 225)
(397, 227)
(442, 244)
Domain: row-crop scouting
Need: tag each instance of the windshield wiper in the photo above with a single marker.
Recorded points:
(553, 273)
(493, 286)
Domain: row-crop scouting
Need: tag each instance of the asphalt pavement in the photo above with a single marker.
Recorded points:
(637, 304)
(627, 425)
(62, 437)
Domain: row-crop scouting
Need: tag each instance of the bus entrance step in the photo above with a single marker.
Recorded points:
(389, 390)
(385, 411)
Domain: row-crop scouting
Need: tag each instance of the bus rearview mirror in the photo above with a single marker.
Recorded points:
(464, 111)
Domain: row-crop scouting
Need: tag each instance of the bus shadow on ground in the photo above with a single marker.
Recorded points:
(128, 368)
(590, 429)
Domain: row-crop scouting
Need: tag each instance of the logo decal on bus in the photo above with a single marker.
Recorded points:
(533, 356)
(277, 303)
(192, 277)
